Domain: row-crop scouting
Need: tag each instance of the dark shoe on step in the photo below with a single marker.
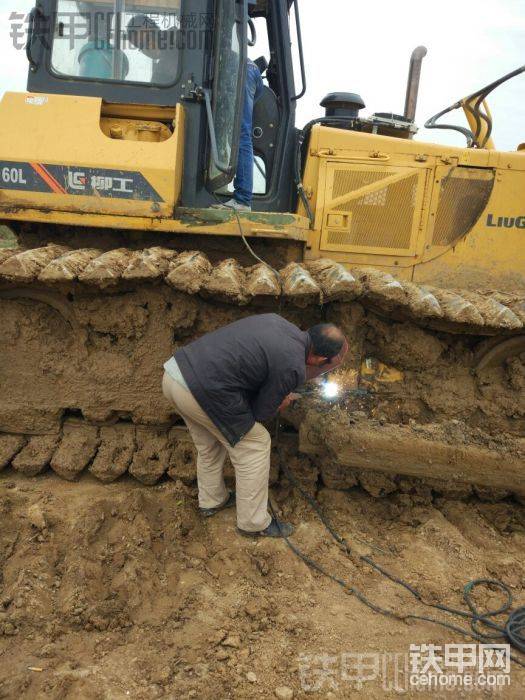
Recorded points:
(228, 503)
(275, 529)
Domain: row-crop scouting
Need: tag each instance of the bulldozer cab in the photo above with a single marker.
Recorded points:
(162, 54)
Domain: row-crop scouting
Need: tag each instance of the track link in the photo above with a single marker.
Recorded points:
(109, 453)
(118, 320)
(314, 283)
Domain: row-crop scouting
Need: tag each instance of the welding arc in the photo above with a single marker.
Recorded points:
(513, 632)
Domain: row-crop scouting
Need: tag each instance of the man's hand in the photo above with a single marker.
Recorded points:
(287, 401)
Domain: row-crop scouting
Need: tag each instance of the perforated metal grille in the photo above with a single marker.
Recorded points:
(346, 181)
(464, 195)
(381, 219)
(339, 238)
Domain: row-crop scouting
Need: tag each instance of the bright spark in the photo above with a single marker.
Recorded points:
(330, 390)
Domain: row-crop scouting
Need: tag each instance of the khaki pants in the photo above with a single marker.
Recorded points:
(250, 458)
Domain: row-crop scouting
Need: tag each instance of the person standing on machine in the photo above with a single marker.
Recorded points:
(243, 183)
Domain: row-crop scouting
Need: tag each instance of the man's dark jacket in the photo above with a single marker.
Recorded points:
(241, 373)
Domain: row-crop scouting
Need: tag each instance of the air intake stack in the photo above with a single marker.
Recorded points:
(343, 105)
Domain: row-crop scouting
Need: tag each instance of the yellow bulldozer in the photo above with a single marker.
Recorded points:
(110, 165)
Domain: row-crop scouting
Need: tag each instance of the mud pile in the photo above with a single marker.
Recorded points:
(124, 591)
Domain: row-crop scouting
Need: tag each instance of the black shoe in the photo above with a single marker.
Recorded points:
(228, 503)
(275, 529)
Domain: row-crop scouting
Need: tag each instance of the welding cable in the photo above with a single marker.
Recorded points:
(245, 240)
(515, 626)
(514, 630)
(315, 505)
(352, 590)
(336, 122)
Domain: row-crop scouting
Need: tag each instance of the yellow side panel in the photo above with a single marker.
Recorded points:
(492, 254)
(372, 208)
(449, 216)
(55, 156)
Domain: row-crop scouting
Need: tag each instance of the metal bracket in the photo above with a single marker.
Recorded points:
(191, 92)
(196, 93)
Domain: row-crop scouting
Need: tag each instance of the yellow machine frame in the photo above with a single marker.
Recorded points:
(427, 212)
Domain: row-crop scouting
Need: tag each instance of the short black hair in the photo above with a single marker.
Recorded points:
(327, 340)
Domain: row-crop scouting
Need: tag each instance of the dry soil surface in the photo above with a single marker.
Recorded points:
(123, 591)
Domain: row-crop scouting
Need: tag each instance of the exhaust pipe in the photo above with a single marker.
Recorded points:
(414, 75)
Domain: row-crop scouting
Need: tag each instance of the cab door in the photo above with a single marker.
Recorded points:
(225, 107)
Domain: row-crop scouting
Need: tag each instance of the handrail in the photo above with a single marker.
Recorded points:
(222, 167)
(301, 52)
(33, 65)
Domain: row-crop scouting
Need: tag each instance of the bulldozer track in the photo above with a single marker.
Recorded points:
(150, 455)
(106, 452)
(103, 323)
(314, 283)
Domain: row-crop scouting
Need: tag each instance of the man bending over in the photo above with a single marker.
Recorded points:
(225, 385)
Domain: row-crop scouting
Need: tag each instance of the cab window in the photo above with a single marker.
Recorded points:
(117, 40)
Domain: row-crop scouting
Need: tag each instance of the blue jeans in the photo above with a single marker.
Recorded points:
(243, 183)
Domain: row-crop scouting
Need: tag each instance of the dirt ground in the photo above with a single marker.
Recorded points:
(120, 590)
(123, 591)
